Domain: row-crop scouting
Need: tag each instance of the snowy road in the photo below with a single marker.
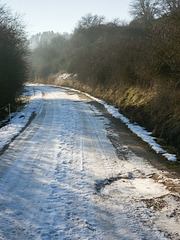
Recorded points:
(62, 179)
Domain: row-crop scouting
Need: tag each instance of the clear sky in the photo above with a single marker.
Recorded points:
(62, 15)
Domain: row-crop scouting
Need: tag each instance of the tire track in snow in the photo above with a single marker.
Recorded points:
(49, 192)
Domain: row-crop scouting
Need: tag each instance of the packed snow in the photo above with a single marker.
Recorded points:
(62, 179)
(16, 124)
(138, 130)
(141, 132)
(19, 119)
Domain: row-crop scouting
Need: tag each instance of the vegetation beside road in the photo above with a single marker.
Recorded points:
(134, 66)
(14, 65)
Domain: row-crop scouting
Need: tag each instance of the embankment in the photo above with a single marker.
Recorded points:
(156, 108)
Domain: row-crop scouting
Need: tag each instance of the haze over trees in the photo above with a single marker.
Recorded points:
(134, 66)
(99, 50)
(13, 56)
(49, 54)
(42, 38)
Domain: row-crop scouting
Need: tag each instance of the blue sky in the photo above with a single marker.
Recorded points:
(62, 16)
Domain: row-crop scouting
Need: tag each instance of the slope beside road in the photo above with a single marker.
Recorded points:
(72, 175)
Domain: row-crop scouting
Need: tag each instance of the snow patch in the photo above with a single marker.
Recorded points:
(65, 76)
(138, 130)
(138, 188)
(48, 192)
(20, 119)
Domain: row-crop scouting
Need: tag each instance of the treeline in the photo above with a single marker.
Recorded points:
(49, 55)
(138, 61)
(13, 56)
(145, 50)
(42, 38)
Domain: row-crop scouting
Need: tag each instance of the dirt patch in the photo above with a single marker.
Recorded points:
(120, 135)
(156, 203)
(172, 185)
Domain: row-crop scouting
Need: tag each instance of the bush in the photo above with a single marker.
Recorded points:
(13, 56)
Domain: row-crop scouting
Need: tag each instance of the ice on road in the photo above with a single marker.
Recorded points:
(61, 179)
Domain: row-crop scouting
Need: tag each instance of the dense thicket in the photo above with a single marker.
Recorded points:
(13, 56)
(139, 60)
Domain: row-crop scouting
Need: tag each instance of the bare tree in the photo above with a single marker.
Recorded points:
(144, 10)
(90, 21)
(170, 8)
(170, 5)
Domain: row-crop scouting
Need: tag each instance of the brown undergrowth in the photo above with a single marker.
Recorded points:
(157, 108)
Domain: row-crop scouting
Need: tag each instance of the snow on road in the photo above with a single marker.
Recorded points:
(20, 119)
(61, 179)
(138, 130)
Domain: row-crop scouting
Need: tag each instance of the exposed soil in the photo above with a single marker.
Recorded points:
(169, 170)
(125, 137)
